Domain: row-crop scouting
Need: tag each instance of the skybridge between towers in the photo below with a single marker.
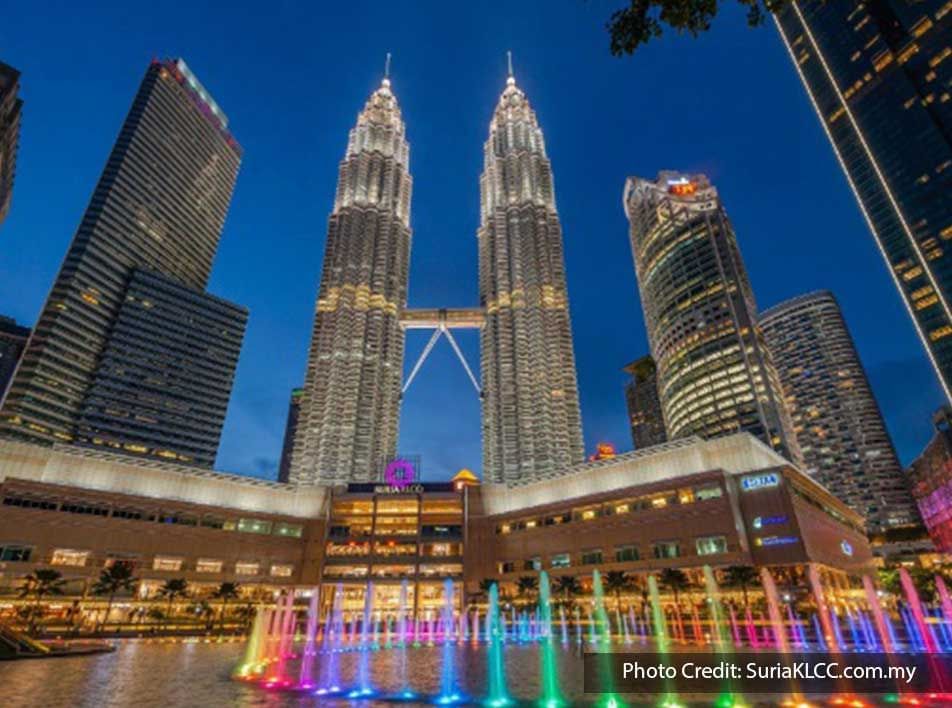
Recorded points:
(442, 321)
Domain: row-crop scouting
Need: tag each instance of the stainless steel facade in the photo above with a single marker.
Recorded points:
(715, 376)
(837, 422)
(350, 406)
(531, 420)
(11, 107)
(159, 205)
(879, 74)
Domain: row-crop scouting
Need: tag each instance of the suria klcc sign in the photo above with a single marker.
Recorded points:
(400, 477)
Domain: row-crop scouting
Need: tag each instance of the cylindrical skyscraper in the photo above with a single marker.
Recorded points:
(838, 425)
(531, 422)
(350, 404)
(715, 376)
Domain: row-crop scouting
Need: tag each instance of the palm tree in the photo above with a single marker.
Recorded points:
(527, 585)
(741, 576)
(116, 578)
(568, 586)
(677, 581)
(225, 592)
(38, 584)
(615, 581)
(172, 590)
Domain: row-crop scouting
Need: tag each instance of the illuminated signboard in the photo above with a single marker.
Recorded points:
(767, 541)
(846, 547)
(761, 521)
(399, 476)
(760, 481)
(681, 187)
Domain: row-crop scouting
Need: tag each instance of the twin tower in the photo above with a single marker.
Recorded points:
(349, 410)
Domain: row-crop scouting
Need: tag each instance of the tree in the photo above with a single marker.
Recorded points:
(677, 581)
(527, 585)
(615, 581)
(226, 592)
(116, 578)
(38, 584)
(741, 576)
(643, 20)
(174, 589)
(568, 587)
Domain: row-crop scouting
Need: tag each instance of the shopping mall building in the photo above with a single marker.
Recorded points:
(685, 504)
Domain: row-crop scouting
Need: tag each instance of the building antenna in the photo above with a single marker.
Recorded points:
(509, 59)
(386, 67)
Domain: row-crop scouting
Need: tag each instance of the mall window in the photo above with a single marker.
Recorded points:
(667, 549)
(130, 514)
(503, 528)
(442, 506)
(710, 491)
(246, 568)
(507, 566)
(207, 565)
(342, 508)
(67, 556)
(282, 571)
(534, 563)
(30, 503)
(442, 549)
(441, 570)
(398, 506)
(348, 549)
(626, 553)
(392, 548)
(254, 526)
(80, 508)
(166, 563)
(393, 571)
(592, 557)
(346, 571)
(445, 531)
(290, 530)
(560, 560)
(711, 545)
(15, 553)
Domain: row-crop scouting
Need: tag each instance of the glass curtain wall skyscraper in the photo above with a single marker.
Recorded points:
(11, 107)
(350, 404)
(879, 74)
(715, 376)
(838, 424)
(644, 406)
(158, 210)
(531, 421)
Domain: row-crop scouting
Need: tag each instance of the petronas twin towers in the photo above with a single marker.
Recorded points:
(349, 411)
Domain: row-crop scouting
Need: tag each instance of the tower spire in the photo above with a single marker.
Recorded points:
(386, 68)
(511, 78)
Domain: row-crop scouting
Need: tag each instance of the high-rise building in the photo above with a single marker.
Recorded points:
(11, 105)
(644, 406)
(164, 377)
(159, 206)
(931, 478)
(349, 410)
(879, 74)
(13, 340)
(531, 421)
(839, 427)
(290, 430)
(715, 376)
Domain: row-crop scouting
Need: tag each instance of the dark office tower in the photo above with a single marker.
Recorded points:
(715, 376)
(644, 406)
(165, 375)
(838, 424)
(10, 108)
(290, 430)
(531, 423)
(879, 74)
(159, 206)
(13, 339)
(347, 430)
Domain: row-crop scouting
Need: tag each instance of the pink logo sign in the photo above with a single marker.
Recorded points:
(399, 473)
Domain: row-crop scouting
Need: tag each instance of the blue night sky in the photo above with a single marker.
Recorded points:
(292, 77)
